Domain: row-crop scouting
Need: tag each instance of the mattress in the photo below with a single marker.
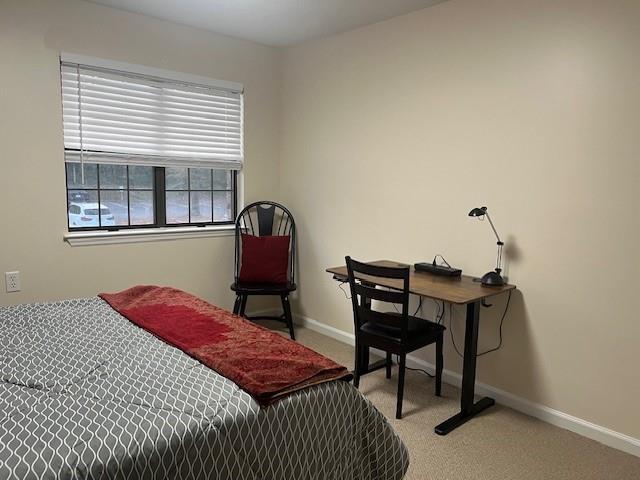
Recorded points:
(85, 394)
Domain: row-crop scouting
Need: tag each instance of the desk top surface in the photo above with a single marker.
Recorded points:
(459, 290)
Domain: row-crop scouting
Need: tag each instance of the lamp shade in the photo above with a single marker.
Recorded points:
(478, 212)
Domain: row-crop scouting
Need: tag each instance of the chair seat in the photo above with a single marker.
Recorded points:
(263, 288)
(418, 330)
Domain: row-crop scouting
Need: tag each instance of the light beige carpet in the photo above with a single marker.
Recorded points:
(498, 444)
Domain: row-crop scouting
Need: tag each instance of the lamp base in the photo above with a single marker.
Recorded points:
(492, 279)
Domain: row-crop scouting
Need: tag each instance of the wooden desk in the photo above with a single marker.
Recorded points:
(461, 291)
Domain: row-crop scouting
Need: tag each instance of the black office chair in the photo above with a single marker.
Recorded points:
(265, 219)
(395, 333)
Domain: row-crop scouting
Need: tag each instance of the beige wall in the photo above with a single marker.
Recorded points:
(391, 133)
(32, 192)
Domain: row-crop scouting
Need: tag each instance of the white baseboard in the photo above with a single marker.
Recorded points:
(577, 425)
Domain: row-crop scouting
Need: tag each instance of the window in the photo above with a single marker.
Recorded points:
(110, 196)
(148, 150)
(198, 196)
(115, 196)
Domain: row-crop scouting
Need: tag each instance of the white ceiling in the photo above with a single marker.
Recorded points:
(273, 22)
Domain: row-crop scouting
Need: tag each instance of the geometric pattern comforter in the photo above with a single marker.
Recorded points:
(85, 394)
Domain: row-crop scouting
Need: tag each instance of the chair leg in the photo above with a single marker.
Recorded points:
(243, 305)
(401, 365)
(356, 368)
(287, 315)
(236, 304)
(389, 363)
(439, 363)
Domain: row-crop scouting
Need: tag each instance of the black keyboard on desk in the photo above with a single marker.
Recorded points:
(442, 270)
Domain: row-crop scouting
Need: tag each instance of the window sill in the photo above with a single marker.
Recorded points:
(77, 239)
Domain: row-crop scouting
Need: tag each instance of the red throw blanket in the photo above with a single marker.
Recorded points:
(263, 363)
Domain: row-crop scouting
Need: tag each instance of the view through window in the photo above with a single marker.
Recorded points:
(103, 196)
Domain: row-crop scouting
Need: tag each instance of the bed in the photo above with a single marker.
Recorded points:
(85, 393)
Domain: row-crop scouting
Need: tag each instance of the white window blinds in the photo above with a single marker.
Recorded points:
(113, 116)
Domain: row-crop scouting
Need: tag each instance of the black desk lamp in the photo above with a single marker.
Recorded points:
(493, 278)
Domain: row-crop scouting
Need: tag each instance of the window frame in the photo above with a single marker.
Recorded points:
(159, 204)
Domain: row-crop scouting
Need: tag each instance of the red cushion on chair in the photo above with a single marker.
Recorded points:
(264, 259)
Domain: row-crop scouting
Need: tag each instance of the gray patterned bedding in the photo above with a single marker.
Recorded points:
(87, 394)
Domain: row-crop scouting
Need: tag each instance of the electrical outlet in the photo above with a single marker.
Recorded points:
(12, 281)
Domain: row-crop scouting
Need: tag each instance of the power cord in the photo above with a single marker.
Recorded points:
(443, 259)
(415, 369)
(497, 347)
(440, 313)
(419, 307)
(453, 339)
(343, 290)
(395, 307)
(346, 295)
(504, 314)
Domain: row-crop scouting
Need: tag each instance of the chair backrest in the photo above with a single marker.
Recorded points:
(262, 219)
(362, 292)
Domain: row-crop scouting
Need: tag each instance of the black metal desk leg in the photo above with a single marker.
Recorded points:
(468, 409)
